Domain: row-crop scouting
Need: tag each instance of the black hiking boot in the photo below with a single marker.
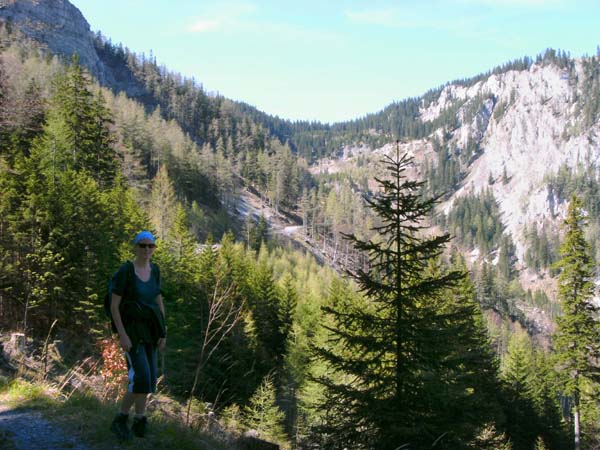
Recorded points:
(120, 428)
(140, 426)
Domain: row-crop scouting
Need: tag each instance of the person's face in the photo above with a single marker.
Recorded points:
(144, 249)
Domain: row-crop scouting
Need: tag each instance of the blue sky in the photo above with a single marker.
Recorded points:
(338, 60)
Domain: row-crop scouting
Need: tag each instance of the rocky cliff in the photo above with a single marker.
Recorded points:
(59, 26)
(529, 126)
(526, 124)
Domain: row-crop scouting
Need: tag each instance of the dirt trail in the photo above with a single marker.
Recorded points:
(23, 429)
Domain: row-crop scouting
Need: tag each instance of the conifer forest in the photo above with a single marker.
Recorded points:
(387, 335)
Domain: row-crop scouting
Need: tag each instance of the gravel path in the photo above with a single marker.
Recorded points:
(28, 430)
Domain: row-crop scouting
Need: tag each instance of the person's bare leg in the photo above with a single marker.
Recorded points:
(128, 400)
(140, 404)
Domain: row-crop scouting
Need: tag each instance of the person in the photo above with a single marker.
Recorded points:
(138, 313)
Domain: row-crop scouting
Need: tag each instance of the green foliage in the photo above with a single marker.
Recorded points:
(539, 444)
(76, 134)
(531, 408)
(507, 258)
(588, 104)
(256, 232)
(82, 170)
(494, 292)
(232, 139)
(542, 247)
(391, 364)
(475, 221)
(63, 213)
(582, 181)
(263, 415)
(576, 340)
(489, 438)
(445, 176)
(265, 304)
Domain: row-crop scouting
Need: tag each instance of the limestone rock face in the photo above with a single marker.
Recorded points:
(537, 130)
(58, 25)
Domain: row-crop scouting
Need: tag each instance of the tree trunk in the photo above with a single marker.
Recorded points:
(576, 430)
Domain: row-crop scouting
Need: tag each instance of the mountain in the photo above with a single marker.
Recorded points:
(525, 133)
(528, 136)
(86, 160)
(58, 25)
(525, 126)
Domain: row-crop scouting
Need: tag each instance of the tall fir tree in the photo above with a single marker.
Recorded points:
(163, 204)
(388, 349)
(519, 376)
(81, 120)
(577, 337)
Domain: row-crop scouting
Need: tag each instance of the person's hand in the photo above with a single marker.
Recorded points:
(162, 343)
(125, 342)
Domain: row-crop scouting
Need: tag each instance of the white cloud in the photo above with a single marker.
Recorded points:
(422, 16)
(203, 26)
(221, 17)
(388, 17)
(440, 14)
(242, 17)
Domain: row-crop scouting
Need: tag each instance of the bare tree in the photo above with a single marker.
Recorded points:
(223, 315)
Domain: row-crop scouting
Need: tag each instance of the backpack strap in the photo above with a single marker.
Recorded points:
(129, 280)
(155, 273)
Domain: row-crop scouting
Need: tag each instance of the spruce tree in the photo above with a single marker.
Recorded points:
(82, 120)
(577, 337)
(266, 310)
(518, 374)
(382, 356)
(263, 415)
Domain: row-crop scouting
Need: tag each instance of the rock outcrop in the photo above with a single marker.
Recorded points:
(530, 130)
(58, 25)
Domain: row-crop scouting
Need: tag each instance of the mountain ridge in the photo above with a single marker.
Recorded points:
(507, 130)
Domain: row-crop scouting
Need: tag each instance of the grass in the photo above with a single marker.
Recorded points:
(88, 419)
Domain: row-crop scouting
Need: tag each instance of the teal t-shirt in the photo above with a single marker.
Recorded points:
(147, 291)
(145, 324)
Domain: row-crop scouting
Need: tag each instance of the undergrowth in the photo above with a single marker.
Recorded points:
(88, 418)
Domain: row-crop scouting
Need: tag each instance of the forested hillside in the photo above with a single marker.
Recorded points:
(427, 339)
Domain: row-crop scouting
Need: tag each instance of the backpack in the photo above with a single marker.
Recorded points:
(129, 282)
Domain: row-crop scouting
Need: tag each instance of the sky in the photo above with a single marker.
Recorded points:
(337, 60)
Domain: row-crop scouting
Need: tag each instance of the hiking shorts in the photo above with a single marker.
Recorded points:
(142, 367)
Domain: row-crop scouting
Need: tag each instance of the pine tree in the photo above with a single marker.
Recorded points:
(163, 206)
(490, 439)
(263, 415)
(539, 444)
(506, 258)
(577, 338)
(462, 389)
(374, 392)
(519, 372)
(266, 310)
(288, 303)
(83, 119)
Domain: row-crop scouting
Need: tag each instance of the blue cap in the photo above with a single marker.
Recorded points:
(144, 235)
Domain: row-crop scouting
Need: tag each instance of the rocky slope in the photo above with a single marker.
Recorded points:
(537, 132)
(61, 28)
(57, 24)
(526, 125)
